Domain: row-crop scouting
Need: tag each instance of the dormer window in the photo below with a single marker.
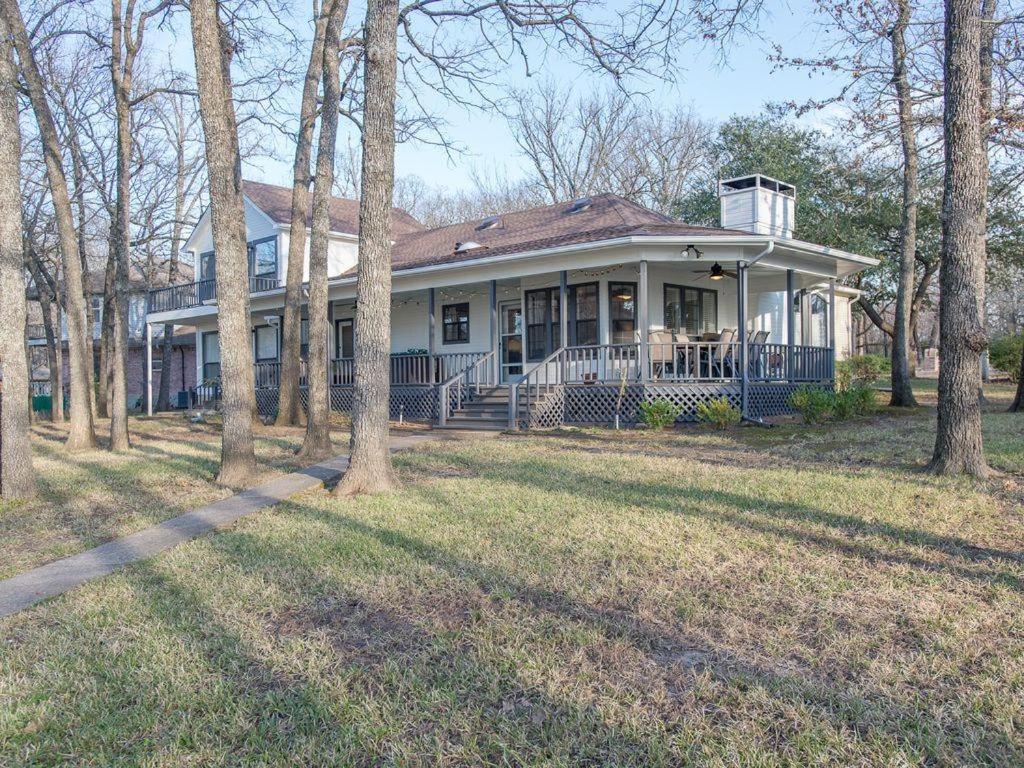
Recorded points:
(581, 204)
(489, 223)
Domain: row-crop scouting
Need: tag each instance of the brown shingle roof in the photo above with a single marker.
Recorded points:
(608, 216)
(276, 202)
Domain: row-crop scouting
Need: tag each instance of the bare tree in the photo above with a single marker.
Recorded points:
(902, 391)
(82, 433)
(213, 48)
(370, 467)
(288, 400)
(16, 478)
(317, 443)
(958, 442)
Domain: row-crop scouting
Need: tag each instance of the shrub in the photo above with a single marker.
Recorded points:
(864, 399)
(658, 414)
(719, 413)
(844, 405)
(860, 369)
(813, 403)
(1004, 354)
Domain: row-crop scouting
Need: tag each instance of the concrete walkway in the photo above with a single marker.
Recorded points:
(26, 589)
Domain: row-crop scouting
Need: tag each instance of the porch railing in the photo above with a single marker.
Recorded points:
(195, 294)
(464, 385)
(411, 369)
(543, 379)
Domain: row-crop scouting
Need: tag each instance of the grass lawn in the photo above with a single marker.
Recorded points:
(757, 597)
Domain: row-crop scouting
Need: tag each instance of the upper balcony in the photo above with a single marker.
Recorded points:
(198, 293)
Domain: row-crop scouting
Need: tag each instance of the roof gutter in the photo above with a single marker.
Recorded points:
(767, 250)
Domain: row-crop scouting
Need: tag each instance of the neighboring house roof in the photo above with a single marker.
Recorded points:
(276, 202)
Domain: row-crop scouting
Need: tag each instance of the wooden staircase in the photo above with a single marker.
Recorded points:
(486, 411)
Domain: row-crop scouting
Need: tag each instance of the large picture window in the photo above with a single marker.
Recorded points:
(265, 343)
(455, 323)
(622, 306)
(693, 311)
(543, 333)
(211, 356)
(583, 314)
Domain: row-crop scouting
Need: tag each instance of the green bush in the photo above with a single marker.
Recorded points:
(1004, 354)
(861, 369)
(865, 400)
(658, 414)
(813, 403)
(719, 413)
(844, 405)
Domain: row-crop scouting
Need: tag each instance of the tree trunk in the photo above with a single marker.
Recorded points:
(1018, 401)
(213, 50)
(317, 443)
(105, 384)
(958, 442)
(986, 57)
(902, 391)
(122, 62)
(82, 433)
(17, 480)
(288, 411)
(370, 466)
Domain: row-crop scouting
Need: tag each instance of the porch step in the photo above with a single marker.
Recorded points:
(486, 411)
(463, 421)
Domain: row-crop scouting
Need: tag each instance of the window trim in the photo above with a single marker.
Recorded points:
(445, 325)
(256, 347)
(250, 256)
(202, 343)
(682, 299)
(338, 322)
(573, 318)
(549, 324)
(636, 309)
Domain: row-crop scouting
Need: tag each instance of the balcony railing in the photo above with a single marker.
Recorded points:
(195, 294)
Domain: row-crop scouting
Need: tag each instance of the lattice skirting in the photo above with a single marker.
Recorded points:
(597, 404)
(412, 402)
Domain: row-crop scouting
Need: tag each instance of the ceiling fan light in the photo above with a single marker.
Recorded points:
(716, 275)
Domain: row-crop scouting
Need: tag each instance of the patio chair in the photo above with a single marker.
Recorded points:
(755, 354)
(721, 357)
(663, 353)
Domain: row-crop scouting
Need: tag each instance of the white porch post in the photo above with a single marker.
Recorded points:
(832, 327)
(492, 296)
(644, 323)
(563, 307)
(741, 321)
(149, 369)
(431, 328)
(790, 326)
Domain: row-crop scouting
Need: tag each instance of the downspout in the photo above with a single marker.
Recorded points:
(745, 370)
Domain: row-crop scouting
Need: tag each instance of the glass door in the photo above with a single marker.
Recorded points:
(511, 341)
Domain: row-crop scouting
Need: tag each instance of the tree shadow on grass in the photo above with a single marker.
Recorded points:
(674, 655)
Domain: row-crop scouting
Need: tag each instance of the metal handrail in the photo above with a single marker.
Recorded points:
(557, 357)
(461, 382)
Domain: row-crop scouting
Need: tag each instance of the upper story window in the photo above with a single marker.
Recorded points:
(207, 266)
(455, 321)
(263, 257)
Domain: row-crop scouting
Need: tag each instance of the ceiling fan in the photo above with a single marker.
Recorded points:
(716, 272)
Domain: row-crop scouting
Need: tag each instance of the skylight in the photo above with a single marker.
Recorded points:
(469, 245)
(488, 223)
(580, 205)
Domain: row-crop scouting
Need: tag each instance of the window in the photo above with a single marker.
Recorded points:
(96, 315)
(265, 342)
(543, 333)
(343, 339)
(693, 311)
(622, 302)
(819, 321)
(583, 309)
(263, 258)
(303, 339)
(211, 356)
(455, 323)
(208, 266)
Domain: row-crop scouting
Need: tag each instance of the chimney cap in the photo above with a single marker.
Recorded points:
(741, 183)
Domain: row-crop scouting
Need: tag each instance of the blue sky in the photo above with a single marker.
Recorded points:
(740, 85)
